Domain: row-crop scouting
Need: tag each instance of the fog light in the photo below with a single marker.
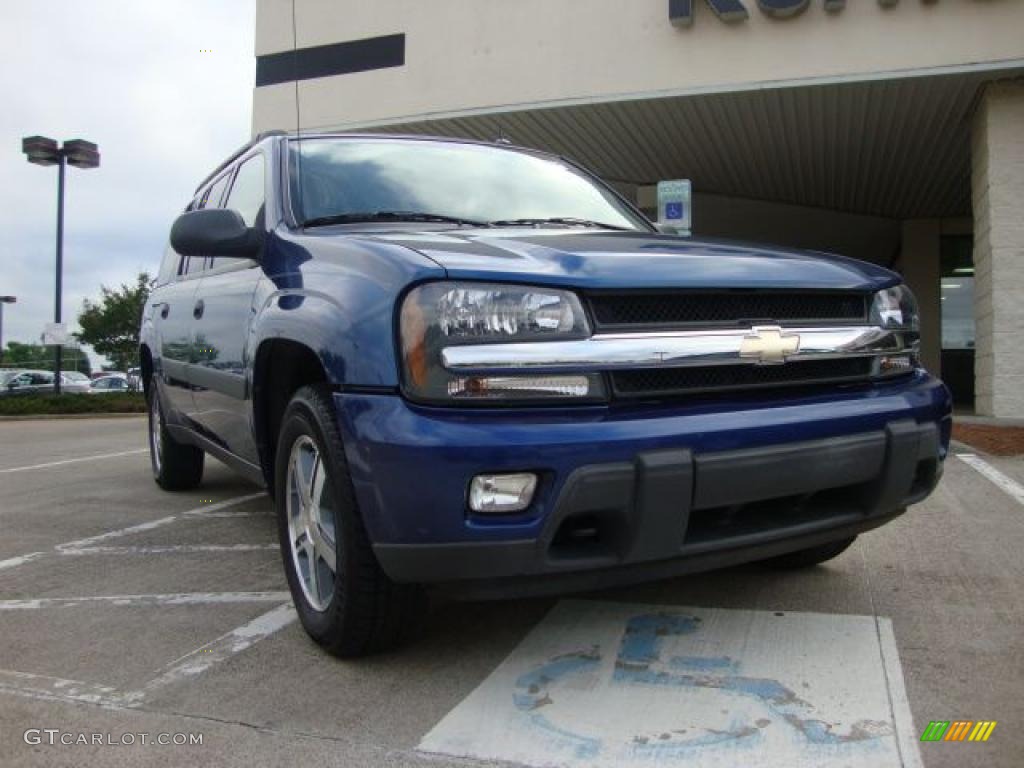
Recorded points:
(891, 365)
(502, 493)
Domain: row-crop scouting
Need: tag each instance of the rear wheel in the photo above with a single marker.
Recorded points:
(176, 466)
(345, 601)
(805, 558)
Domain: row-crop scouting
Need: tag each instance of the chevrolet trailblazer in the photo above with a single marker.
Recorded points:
(477, 365)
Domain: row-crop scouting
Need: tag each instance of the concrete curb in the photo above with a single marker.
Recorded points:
(60, 416)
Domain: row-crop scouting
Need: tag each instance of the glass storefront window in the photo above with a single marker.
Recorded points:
(957, 292)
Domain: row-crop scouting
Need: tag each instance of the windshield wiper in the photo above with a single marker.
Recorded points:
(370, 216)
(570, 221)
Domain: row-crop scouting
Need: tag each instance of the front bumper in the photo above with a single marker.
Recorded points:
(629, 494)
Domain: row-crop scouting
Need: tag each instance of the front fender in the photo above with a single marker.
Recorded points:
(337, 297)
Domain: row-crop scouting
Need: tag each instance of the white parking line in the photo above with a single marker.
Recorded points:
(87, 545)
(168, 549)
(217, 509)
(201, 659)
(56, 689)
(186, 667)
(190, 665)
(95, 457)
(173, 598)
(903, 720)
(14, 562)
(1010, 486)
(140, 528)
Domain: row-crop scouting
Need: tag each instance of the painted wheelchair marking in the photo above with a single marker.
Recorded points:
(640, 662)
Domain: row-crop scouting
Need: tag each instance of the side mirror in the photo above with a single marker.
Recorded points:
(214, 232)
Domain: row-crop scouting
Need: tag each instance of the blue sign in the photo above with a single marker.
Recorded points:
(674, 199)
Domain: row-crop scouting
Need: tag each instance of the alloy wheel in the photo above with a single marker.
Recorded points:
(156, 423)
(311, 523)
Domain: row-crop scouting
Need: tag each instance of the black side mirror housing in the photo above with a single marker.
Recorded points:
(214, 232)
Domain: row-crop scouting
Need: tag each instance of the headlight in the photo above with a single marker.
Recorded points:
(439, 315)
(896, 309)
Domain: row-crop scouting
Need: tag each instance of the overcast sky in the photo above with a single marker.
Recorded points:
(136, 79)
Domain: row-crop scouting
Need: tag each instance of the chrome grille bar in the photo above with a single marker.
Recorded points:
(760, 345)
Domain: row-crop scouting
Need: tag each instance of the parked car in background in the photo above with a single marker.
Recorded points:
(134, 379)
(29, 382)
(75, 378)
(8, 374)
(106, 385)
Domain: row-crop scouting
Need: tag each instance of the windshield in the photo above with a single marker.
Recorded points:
(465, 183)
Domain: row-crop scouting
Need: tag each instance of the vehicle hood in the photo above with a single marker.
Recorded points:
(589, 259)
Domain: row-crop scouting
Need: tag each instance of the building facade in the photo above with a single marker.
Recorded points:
(886, 130)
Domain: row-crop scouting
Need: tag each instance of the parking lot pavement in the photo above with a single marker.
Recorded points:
(126, 610)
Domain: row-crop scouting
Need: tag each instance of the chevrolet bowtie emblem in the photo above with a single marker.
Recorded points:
(769, 345)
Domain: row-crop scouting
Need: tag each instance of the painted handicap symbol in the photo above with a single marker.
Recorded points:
(641, 662)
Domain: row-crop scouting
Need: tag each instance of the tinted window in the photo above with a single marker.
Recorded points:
(247, 192)
(467, 181)
(213, 197)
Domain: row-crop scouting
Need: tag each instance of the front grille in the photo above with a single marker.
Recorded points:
(663, 382)
(660, 309)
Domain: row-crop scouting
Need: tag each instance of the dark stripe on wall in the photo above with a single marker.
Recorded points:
(327, 60)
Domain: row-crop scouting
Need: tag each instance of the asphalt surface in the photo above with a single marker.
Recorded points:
(222, 659)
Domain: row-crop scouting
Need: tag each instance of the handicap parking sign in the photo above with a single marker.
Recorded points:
(674, 203)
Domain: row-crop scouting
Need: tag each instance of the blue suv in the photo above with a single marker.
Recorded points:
(478, 366)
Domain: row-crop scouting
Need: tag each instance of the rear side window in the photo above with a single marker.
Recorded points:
(193, 265)
(168, 266)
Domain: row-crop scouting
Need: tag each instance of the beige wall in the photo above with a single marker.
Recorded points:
(464, 56)
(998, 189)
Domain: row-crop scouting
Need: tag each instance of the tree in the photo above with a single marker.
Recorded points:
(40, 358)
(111, 325)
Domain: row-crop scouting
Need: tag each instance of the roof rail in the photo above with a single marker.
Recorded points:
(239, 152)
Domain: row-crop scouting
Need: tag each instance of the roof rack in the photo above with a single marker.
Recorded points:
(239, 152)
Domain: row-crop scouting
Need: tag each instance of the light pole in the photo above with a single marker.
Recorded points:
(4, 300)
(81, 154)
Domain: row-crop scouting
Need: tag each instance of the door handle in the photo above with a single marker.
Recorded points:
(197, 311)
(163, 306)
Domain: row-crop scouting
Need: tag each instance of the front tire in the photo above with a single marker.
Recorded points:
(807, 558)
(345, 602)
(176, 466)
